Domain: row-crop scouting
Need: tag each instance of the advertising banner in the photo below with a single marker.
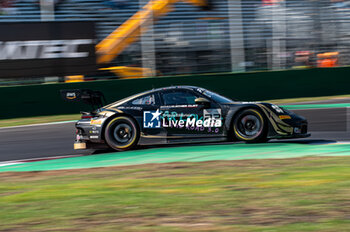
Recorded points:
(47, 49)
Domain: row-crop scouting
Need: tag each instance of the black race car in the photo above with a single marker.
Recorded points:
(182, 114)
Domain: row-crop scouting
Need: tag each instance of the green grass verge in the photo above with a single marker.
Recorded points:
(309, 194)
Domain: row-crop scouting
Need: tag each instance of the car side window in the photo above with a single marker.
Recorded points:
(146, 100)
(179, 98)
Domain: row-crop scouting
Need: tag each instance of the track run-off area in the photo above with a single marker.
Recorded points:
(50, 145)
(197, 153)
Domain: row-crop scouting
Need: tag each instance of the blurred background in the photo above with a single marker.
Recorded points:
(133, 39)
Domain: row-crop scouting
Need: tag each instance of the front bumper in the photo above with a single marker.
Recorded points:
(297, 129)
(294, 136)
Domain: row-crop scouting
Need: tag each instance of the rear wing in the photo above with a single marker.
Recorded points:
(88, 96)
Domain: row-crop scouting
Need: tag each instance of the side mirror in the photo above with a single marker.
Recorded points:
(202, 101)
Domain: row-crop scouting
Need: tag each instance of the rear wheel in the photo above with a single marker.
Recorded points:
(250, 126)
(122, 133)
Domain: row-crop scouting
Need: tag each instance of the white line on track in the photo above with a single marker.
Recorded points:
(321, 108)
(9, 163)
(13, 162)
(39, 124)
(342, 142)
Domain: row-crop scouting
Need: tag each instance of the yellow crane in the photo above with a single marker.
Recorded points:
(130, 31)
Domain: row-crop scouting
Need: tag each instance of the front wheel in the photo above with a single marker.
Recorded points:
(250, 126)
(122, 133)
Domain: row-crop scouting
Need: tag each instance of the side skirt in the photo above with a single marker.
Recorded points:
(195, 140)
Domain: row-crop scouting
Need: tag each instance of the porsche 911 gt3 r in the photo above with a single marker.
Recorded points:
(184, 114)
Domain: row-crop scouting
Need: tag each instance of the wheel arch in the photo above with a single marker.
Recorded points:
(232, 114)
(105, 123)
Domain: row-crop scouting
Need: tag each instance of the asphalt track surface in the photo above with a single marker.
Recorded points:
(326, 125)
(193, 153)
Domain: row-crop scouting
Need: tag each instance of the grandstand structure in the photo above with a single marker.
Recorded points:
(233, 36)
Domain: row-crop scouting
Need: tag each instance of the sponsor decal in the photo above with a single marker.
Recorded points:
(191, 123)
(200, 90)
(94, 137)
(252, 102)
(151, 119)
(156, 119)
(96, 122)
(277, 109)
(129, 108)
(284, 117)
(212, 113)
(179, 106)
(43, 49)
(71, 95)
(93, 132)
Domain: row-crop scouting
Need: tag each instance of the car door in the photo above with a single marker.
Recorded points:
(182, 117)
(149, 119)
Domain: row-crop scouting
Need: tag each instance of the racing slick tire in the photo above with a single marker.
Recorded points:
(122, 133)
(250, 126)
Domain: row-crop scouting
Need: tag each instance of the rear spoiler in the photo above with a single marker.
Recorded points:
(88, 96)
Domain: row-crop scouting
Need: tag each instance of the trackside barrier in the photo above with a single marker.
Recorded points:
(40, 100)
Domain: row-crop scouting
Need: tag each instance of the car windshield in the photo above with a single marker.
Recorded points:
(217, 97)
